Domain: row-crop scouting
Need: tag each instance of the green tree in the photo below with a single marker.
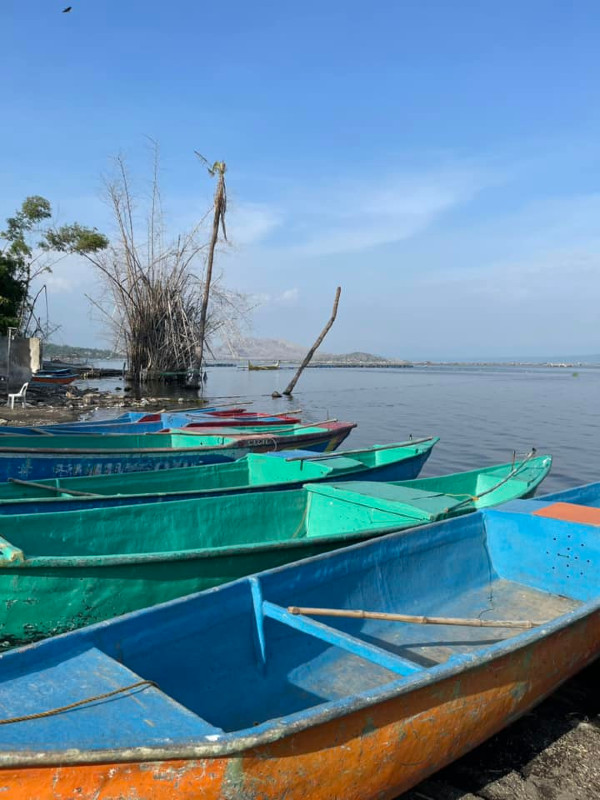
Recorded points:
(30, 241)
(12, 294)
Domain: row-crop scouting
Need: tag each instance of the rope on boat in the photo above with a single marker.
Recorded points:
(473, 498)
(53, 711)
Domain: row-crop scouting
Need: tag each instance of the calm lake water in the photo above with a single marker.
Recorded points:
(481, 414)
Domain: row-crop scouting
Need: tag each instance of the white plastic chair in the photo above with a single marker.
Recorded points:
(20, 395)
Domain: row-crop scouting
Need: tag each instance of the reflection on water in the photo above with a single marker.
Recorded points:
(481, 414)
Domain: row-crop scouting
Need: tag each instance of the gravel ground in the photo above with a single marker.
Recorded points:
(553, 753)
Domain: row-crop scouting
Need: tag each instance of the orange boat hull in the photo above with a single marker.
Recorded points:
(377, 752)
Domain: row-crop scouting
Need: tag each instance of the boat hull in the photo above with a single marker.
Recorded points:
(42, 465)
(385, 749)
(57, 380)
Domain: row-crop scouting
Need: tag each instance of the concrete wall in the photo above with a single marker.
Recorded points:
(25, 358)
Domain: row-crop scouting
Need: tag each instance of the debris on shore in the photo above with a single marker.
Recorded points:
(52, 403)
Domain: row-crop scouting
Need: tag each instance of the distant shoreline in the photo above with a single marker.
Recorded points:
(411, 364)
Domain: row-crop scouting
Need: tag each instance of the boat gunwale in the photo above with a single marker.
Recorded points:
(116, 559)
(271, 731)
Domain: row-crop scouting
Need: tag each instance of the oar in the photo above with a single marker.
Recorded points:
(361, 450)
(56, 489)
(472, 623)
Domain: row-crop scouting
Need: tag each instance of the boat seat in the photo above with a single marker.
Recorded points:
(143, 714)
(337, 638)
(402, 500)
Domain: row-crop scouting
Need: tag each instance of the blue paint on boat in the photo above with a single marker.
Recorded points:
(41, 465)
(234, 669)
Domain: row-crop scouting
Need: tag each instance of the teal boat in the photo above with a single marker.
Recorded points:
(65, 569)
(287, 469)
(35, 457)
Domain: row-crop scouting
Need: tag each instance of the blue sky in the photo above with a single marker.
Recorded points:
(438, 160)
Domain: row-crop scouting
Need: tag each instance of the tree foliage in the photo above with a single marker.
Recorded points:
(32, 245)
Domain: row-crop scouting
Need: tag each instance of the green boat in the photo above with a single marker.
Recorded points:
(287, 469)
(62, 570)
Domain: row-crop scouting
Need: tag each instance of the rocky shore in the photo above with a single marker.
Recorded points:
(51, 403)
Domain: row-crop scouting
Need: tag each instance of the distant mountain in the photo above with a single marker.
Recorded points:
(282, 350)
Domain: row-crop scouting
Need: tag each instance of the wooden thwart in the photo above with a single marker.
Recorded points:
(418, 620)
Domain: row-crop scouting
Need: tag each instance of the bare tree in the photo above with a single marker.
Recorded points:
(307, 358)
(158, 289)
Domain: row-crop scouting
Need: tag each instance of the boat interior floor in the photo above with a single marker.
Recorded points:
(304, 662)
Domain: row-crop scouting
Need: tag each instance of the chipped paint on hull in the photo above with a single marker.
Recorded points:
(375, 753)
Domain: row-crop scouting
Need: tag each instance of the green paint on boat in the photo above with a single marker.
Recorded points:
(250, 472)
(63, 570)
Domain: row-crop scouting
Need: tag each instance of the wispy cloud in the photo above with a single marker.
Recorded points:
(252, 223)
(353, 215)
(288, 297)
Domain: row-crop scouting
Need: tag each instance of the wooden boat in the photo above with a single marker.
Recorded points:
(251, 691)
(256, 367)
(91, 454)
(64, 569)
(61, 377)
(288, 469)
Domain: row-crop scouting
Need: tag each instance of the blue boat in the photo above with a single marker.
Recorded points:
(350, 675)
(56, 456)
(167, 420)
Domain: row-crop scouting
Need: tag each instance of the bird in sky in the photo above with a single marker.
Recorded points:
(67, 9)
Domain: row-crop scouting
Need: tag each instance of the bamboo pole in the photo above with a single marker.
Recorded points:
(55, 489)
(418, 620)
(290, 387)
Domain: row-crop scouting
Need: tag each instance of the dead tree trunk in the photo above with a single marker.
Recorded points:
(220, 207)
(290, 387)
